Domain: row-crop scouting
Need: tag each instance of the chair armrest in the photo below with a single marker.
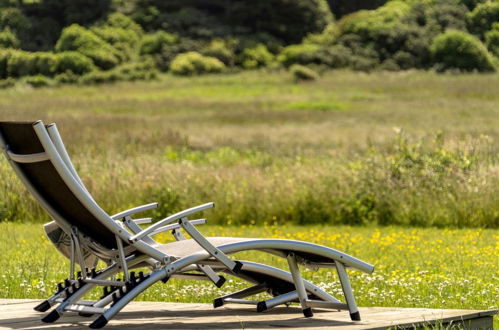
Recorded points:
(134, 210)
(165, 221)
(176, 226)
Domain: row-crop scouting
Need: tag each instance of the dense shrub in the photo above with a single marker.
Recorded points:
(99, 77)
(492, 39)
(256, 57)
(21, 63)
(483, 16)
(336, 56)
(222, 50)
(37, 81)
(74, 62)
(284, 19)
(154, 42)
(84, 41)
(460, 50)
(45, 63)
(169, 52)
(8, 39)
(302, 73)
(193, 63)
(125, 42)
(68, 77)
(14, 19)
(118, 20)
(4, 57)
(6, 83)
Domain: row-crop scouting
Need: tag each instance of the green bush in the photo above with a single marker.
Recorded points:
(75, 62)
(20, 64)
(222, 50)
(37, 81)
(154, 42)
(8, 39)
(118, 20)
(193, 63)
(4, 57)
(84, 41)
(483, 16)
(336, 56)
(492, 39)
(6, 83)
(302, 73)
(460, 50)
(125, 42)
(14, 19)
(142, 70)
(68, 77)
(99, 77)
(256, 57)
(45, 63)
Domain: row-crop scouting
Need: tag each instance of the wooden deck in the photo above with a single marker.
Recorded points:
(19, 314)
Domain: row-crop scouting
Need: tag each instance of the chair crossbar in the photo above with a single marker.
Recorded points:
(84, 309)
(28, 158)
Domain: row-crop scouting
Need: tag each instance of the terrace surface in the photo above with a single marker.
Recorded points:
(19, 314)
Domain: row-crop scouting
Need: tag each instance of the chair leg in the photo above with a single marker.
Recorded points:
(347, 291)
(300, 287)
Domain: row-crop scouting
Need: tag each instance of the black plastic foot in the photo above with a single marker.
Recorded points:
(307, 312)
(237, 267)
(42, 307)
(220, 282)
(218, 302)
(261, 307)
(99, 323)
(85, 314)
(355, 316)
(51, 317)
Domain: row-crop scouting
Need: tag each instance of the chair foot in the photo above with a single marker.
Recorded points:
(85, 314)
(220, 282)
(218, 302)
(51, 317)
(355, 316)
(43, 306)
(261, 307)
(307, 312)
(100, 322)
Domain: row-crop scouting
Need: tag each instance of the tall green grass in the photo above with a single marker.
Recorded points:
(408, 148)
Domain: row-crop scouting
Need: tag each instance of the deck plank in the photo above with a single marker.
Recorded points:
(19, 314)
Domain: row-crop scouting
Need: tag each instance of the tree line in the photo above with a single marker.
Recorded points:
(67, 41)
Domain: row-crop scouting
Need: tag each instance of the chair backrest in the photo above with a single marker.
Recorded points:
(37, 170)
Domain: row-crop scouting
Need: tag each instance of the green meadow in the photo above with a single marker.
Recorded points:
(408, 148)
(398, 169)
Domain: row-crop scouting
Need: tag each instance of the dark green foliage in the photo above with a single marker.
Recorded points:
(67, 12)
(74, 62)
(222, 50)
(193, 63)
(84, 41)
(289, 20)
(37, 81)
(6, 83)
(492, 39)
(67, 77)
(153, 43)
(343, 7)
(143, 70)
(460, 50)
(169, 52)
(257, 57)
(302, 73)
(8, 39)
(483, 16)
(14, 19)
(333, 56)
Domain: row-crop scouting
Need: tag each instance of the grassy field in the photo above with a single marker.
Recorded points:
(396, 152)
(410, 148)
(436, 268)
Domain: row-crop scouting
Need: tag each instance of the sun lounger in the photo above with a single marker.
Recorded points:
(37, 154)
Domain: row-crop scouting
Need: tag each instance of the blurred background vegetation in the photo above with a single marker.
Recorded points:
(44, 42)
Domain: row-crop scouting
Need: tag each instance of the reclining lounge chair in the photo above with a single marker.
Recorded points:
(39, 158)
